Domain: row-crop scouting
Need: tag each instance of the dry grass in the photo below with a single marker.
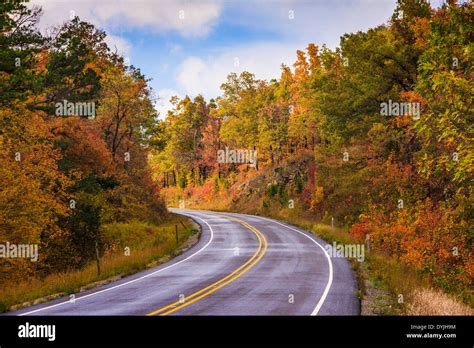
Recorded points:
(426, 301)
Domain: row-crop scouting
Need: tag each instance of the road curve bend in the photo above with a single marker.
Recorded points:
(242, 265)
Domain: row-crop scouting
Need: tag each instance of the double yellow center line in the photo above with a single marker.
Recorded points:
(196, 296)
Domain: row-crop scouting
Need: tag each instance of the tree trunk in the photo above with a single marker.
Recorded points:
(256, 160)
(97, 256)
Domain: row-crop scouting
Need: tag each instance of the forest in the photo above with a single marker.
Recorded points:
(76, 127)
(375, 135)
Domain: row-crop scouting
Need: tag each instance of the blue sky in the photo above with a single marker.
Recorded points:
(189, 47)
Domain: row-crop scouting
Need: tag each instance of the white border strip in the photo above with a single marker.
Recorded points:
(329, 283)
(133, 280)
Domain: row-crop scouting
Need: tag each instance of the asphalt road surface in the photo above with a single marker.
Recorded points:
(242, 265)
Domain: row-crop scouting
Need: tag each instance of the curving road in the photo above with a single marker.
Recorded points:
(242, 265)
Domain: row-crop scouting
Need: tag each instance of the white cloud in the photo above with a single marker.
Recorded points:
(186, 17)
(118, 43)
(205, 75)
(163, 103)
(191, 75)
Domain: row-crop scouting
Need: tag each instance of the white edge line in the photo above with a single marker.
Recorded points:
(329, 283)
(133, 280)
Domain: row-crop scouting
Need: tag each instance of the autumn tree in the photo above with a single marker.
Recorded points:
(20, 42)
